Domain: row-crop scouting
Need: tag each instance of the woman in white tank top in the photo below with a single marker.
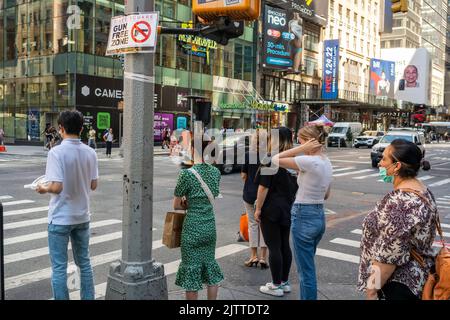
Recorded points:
(308, 214)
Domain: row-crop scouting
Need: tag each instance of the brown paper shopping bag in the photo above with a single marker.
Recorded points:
(172, 229)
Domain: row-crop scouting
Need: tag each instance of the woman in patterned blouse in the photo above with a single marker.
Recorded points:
(401, 222)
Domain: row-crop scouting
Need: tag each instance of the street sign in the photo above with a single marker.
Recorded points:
(133, 33)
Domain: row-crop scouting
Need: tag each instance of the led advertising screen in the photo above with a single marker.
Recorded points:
(412, 74)
(382, 78)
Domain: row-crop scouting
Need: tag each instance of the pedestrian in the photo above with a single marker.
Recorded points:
(173, 144)
(166, 138)
(308, 214)
(248, 174)
(72, 173)
(195, 191)
(48, 136)
(275, 196)
(109, 138)
(91, 141)
(401, 228)
(2, 136)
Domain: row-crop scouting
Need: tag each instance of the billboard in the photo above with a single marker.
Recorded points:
(283, 39)
(412, 74)
(382, 78)
(330, 77)
(276, 37)
(312, 10)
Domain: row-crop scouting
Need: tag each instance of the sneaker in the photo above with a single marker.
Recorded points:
(286, 287)
(272, 290)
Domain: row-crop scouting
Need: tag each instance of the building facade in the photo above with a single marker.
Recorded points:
(285, 86)
(52, 58)
(358, 26)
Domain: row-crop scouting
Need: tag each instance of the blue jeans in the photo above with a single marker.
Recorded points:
(58, 241)
(308, 227)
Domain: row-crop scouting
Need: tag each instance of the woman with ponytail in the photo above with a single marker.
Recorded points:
(308, 214)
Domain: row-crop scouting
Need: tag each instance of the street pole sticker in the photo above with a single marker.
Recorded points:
(136, 33)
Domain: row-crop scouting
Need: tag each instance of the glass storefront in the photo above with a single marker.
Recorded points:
(44, 45)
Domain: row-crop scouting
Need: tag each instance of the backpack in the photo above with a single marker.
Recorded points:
(437, 286)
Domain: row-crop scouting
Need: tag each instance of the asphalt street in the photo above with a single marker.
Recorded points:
(355, 190)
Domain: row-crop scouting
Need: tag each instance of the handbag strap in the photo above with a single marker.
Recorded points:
(205, 187)
(414, 253)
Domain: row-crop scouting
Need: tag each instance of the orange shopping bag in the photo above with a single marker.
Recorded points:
(243, 226)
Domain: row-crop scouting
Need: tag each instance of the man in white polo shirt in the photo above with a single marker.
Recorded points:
(72, 173)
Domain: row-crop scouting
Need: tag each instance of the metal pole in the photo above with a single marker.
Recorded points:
(137, 276)
(2, 262)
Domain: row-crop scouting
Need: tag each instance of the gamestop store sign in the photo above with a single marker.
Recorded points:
(99, 91)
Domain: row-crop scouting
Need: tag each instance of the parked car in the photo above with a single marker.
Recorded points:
(230, 153)
(368, 139)
(343, 133)
(410, 135)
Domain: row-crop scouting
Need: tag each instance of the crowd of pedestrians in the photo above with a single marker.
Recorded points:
(285, 189)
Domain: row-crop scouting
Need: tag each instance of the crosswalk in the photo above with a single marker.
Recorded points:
(347, 249)
(26, 255)
(364, 174)
(27, 263)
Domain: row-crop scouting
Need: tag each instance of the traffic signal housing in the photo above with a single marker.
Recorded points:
(213, 10)
(399, 6)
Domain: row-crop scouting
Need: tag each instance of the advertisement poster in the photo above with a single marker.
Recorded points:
(283, 39)
(382, 78)
(162, 121)
(330, 69)
(276, 51)
(33, 125)
(412, 74)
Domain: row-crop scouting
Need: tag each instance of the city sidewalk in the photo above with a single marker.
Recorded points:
(36, 151)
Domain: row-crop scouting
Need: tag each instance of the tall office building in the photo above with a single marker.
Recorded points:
(445, 114)
(357, 25)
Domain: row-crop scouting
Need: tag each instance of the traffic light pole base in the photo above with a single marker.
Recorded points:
(134, 281)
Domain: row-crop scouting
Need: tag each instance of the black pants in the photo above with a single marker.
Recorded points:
(276, 237)
(396, 291)
(108, 147)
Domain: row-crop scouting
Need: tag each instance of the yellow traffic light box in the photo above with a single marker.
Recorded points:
(399, 6)
(212, 10)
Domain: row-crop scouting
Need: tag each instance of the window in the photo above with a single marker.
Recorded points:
(398, 22)
(311, 40)
(311, 68)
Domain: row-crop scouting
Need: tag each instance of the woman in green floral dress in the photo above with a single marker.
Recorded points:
(198, 239)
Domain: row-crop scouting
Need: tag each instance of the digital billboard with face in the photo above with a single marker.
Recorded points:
(413, 74)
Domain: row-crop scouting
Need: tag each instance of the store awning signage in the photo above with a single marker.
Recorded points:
(256, 105)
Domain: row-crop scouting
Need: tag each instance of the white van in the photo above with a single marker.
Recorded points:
(340, 133)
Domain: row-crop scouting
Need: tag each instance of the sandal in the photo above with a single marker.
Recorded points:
(263, 264)
(252, 262)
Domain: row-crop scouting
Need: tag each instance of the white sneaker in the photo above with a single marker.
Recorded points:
(286, 287)
(271, 289)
